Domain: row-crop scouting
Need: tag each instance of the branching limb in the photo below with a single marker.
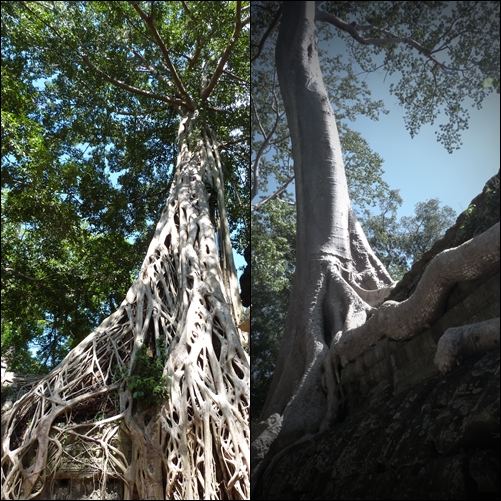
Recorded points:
(239, 24)
(266, 143)
(103, 74)
(27, 277)
(270, 28)
(133, 89)
(390, 39)
(273, 196)
(158, 39)
(188, 11)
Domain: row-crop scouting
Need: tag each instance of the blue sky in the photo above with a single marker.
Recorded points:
(420, 167)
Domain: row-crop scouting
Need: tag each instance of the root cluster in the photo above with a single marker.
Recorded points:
(193, 444)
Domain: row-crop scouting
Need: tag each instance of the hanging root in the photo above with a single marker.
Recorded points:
(459, 343)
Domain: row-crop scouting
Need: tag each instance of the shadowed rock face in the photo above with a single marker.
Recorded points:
(486, 214)
(438, 440)
(406, 431)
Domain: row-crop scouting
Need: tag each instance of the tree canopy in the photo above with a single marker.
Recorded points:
(90, 100)
(444, 61)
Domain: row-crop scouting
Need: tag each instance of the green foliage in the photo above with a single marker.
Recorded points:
(273, 264)
(147, 382)
(398, 244)
(59, 279)
(99, 416)
(420, 232)
(460, 37)
(87, 164)
(384, 234)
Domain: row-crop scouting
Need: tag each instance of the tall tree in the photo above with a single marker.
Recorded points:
(336, 308)
(273, 214)
(167, 369)
(398, 244)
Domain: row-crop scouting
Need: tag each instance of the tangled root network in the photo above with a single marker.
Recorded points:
(191, 444)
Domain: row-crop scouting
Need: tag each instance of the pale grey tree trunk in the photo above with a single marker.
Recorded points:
(336, 270)
(339, 283)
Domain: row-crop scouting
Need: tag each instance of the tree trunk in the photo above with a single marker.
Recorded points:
(193, 444)
(338, 279)
(339, 283)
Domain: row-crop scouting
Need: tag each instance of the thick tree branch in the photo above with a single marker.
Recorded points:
(239, 24)
(154, 71)
(196, 55)
(266, 34)
(103, 74)
(131, 88)
(354, 31)
(149, 22)
(188, 11)
(27, 277)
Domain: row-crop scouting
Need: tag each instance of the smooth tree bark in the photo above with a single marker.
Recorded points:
(192, 444)
(338, 278)
(339, 284)
(466, 341)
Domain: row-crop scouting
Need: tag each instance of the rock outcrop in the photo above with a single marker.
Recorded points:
(437, 440)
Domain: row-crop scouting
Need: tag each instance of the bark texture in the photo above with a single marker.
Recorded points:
(466, 341)
(193, 444)
(474, 258)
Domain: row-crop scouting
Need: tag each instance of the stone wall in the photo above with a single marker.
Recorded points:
(391, 367)
(437, 440)
(408, 432)
(79, 474)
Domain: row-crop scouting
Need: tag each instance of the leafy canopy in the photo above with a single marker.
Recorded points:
(91, 98)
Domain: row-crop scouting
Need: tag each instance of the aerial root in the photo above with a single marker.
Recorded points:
(479, 256)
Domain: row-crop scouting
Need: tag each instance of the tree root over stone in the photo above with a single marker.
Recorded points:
(404, 320)
(459, 343)
(341, 326)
